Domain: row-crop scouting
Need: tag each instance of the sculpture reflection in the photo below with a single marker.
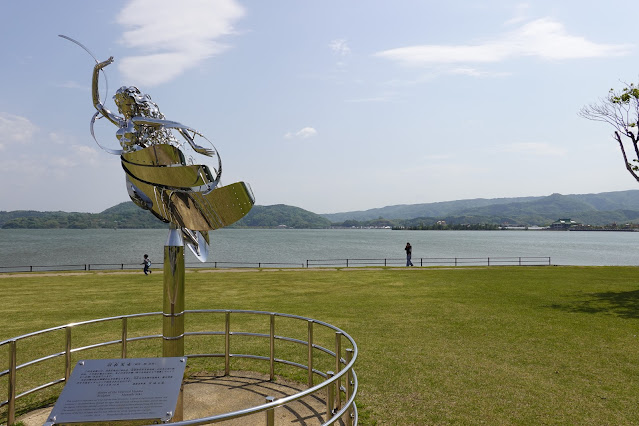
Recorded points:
(162, 174)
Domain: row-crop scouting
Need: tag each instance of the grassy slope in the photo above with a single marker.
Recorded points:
(501, 345)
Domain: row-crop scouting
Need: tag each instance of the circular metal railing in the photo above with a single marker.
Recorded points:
(342, 382)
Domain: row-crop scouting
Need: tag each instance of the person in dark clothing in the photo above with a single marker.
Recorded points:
(147, 265)
(409, 252)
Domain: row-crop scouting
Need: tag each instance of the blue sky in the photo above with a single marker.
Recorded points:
(330, 106)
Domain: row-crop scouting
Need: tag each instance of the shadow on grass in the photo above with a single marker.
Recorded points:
(623, 304)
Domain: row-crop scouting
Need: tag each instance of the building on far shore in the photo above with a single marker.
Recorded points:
(561, 224)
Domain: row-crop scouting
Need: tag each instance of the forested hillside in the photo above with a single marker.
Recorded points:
(128, 215)
(282, 215)
(124, 215)
(592, 209)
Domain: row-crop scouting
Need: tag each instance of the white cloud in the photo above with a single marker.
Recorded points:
(381, 98)
(521, 13)
(340, 47)
(62, 163)
(535, 148)
(74, 85)
(542, 38)
(14, 129)
(58, 138)
(304, 133)
(472, 72)
(86, 154)
(17, 167)
(439, 168)
(173, 36)
(438, 157)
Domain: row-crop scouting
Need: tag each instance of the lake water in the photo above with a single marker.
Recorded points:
(20, 247)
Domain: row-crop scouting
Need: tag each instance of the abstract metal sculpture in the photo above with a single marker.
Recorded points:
(162, 175)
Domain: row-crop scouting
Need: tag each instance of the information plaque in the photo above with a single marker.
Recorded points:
(102, 390)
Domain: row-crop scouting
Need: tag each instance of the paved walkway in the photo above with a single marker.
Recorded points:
(206, 395)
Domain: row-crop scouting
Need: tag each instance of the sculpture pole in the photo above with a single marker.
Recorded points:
(173, 307)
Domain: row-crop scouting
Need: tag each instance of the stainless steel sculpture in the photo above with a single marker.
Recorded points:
(162, 174)
(164, 177)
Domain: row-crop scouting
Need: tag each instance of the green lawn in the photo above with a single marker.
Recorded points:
(498, 345)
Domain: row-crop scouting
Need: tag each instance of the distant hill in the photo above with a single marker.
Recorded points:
(591, 209)
(282, 215)
(124, 215)
(589, 218)
(595, 209)
(128, 215)
(408, 211)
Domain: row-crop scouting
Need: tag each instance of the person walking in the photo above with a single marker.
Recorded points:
(409, 252)
(147, 265)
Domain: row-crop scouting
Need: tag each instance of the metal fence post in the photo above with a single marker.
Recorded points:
(124, 336)
(67, 370)
(11, 411)
(310, 353)
(270, 413)
(349, 385)
(330, 396)
(227, 343)
(272, 348)
(338, 366)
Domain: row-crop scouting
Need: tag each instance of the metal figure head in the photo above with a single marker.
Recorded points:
(131, 102)
(135, 106)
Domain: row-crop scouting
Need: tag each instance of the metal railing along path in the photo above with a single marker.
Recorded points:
(433, 261)
(422, 261)
(134, 266)
(339, 385)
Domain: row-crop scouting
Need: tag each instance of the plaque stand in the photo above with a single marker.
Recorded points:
(173, 307)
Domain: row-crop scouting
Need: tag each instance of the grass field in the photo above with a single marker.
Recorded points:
(498, 345)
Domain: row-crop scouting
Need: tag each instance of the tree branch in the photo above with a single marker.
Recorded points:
(625, 158)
